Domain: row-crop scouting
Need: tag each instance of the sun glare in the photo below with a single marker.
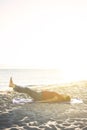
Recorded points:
(74, 74)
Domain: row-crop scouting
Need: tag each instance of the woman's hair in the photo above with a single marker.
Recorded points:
(67, 98)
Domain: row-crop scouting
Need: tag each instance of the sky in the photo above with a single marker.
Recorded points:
(44, 34)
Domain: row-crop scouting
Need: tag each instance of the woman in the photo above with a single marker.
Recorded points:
(44, 96)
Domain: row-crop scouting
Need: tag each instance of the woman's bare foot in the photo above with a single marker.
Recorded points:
(11, 84)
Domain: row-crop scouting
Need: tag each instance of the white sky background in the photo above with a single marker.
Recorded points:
(44, 34)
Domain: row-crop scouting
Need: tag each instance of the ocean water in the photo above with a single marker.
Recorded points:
(25, 77)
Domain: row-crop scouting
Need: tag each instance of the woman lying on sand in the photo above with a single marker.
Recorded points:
(44, 96)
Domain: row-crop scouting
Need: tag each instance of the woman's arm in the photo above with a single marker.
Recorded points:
(54, 99)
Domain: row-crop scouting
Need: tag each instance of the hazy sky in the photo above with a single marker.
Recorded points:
(43, 34)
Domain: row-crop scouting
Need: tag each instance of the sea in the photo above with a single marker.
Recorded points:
(30, 77)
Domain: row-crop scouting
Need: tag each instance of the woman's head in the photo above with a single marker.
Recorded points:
(67, 98)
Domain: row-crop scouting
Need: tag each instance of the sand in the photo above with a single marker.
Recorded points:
(45, 116)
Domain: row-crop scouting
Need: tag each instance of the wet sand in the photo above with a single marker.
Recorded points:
(45, 116)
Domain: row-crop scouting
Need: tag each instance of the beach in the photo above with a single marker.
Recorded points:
(45, 116)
